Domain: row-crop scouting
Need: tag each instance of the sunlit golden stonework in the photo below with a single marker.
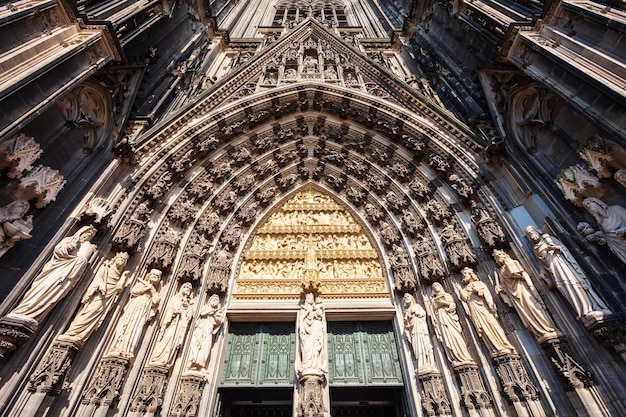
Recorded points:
(310, 242)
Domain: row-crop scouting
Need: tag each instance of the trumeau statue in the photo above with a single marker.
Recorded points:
(141, 307)
(58, 276)
(416, 331)
(101, 295)
(517, 290)
(612, 223)
(482, 312)
(449, 328)
(312, 355)
(567, 276)
(207, 326)
(13, 227)
(173, 328)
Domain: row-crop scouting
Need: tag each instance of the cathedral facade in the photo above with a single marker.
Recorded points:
(313, 208)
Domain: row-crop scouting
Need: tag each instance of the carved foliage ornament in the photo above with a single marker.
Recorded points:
(18, 154)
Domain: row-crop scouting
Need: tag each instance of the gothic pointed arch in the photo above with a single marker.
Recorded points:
(310, 242)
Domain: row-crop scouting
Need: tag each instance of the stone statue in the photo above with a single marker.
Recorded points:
(612, 223)
(458, 250)
(517, 290)
(207, 326)
(567, 276)
(173, 328)
(57, 278)
(101, 295)
(416, 331)
(482, 312)
(14, 228)
(449, 327)
(312, 355)
(144, 300)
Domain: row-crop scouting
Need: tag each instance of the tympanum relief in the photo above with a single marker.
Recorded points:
(310, 223)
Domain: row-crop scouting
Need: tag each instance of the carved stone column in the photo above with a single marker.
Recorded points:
(311, 395)
(473, 393)
(106, 384)
(516, 383)
(149, 393)
(188, 395)
(572, 372)
(434, 398)
(51, 369)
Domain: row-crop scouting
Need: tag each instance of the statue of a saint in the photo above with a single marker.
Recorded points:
(57, 278)
(208, 324)
(144, 300)
(612, 222)
(517, 290)
(14, 228)
(102, 293)
(483, 313)
(567, 276)
(173, 328)
(450, 332)
(312, 355)
(416, 331)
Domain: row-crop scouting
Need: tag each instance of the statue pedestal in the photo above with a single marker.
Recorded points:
(14, 333)
(311, 394)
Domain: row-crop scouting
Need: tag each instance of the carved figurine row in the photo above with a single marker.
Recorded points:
(515, 286)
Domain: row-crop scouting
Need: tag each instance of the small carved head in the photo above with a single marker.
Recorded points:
(468, 275)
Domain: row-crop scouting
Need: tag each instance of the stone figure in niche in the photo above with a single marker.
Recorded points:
(207, 326)
(144, 300)
(101, 295)
(173, 328)
(350, 80)
(449, 327)
(309, 64)
(270, 78)
(14, 228)
(456, 246)
(567, 276)
(517, 290)
(430, 265)
(416, 331)
(487, 227)
(330, 73)
(312, 354)
(612, 223)
(58, 276)
(290, 74)
(483, 313)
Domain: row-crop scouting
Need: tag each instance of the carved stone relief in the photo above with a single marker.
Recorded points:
(310, 232)
(487, 227)
(164, 249)
(18, 154)
(42, 183)
(459, 252)
(577, 182)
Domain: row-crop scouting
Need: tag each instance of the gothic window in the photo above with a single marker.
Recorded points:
(291, 12)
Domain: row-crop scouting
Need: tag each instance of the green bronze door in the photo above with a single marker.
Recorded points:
(364, 372)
